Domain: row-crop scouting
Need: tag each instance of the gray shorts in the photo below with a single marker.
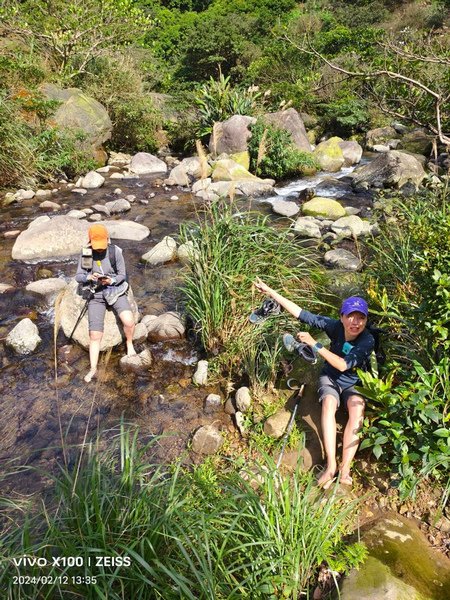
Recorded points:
(328, 387)
(97, 308)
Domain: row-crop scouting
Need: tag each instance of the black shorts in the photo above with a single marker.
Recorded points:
(328, 387)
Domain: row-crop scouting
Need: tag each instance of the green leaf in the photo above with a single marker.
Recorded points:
(442, 432)
(378, 451)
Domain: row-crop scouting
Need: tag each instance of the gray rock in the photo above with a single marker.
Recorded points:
(380, 148)
(119, 159)
(163, 252)
(76, 214)
(352, 152)
(275, 426)
(391, 169)
(70, 308)
(79, 191)
(207, 196)
(118, 206)
(23, 195)
(200, 376)
(196, 168)
(4, 287)
(140, 333)
(117, 176)
(291, 121)
(207, 440)
(231, 136)
(95, 217)
(139, 363)
(38, 220)
(177, 176)
(201, 184)
(43, 193)
(167, 326)
(256, 187)
(62, 237)
(229, 407)
(187, 253)
(342, 259)
(24, 337)
(131, 198)
(213, 403)
(117, 192)
(144, 163)
(92, 180)
(285, 208)
(101, 208)
(243, 399)
(308, 228)
(50, 204)
(352, 226)
(380, 135)
(49, 287)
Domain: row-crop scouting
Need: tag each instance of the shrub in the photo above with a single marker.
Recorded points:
(230, 249)
(195, 536)
(16, 151)
(346, 117)
(273, 155)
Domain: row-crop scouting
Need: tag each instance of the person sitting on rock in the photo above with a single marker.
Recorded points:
(350, 349)
(103, 269)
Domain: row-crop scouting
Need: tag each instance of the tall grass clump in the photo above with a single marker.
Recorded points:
(171, 533)
(229, 249)
(408, 281)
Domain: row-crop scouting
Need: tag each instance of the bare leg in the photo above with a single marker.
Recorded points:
(355, 405)
(127, 318)
(95, 337)
(329, 407)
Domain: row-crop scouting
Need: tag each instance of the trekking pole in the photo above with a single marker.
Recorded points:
(81, 315)
(291, 423)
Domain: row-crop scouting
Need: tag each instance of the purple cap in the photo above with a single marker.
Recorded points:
(354, 304)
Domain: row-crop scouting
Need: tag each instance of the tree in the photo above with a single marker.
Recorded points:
(74, 32)
(407, 79)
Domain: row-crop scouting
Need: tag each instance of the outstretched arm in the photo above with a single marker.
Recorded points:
(288, 305)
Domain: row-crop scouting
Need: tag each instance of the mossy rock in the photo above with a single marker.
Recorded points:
(241, 158)
(229, 170)
(329, 154)
(323, 207)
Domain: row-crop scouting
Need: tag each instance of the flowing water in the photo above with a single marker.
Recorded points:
(36, 412)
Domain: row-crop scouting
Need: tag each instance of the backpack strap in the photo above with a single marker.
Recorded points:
(112, 257)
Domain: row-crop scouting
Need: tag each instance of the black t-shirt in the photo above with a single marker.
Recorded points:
(355, 353)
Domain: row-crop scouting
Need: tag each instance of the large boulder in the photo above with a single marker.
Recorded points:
(49, 287)
(329, 154)
(352, 152)
(78, 111)
(380, 135)
(352, 226)
(70, 309)
(417, 141)
(390, 169)
(144, 163)
(164, 251)
(342, 259)
(231, 135)
(291, 121)
(24, 337)
(323, 207)
(62, 237)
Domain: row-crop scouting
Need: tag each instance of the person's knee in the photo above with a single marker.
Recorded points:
(329, 404)
(127, 319)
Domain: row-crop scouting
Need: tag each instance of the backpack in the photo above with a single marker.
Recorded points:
(378, 357)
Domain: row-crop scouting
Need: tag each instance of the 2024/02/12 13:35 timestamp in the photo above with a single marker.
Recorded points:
(55, 579)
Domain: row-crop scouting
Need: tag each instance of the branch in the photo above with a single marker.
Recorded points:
(443, 137)
(412, 56)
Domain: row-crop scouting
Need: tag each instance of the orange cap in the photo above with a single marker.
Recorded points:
(98, 236)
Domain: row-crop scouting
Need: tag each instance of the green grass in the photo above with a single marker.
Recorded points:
(231, 249)
(202, 534)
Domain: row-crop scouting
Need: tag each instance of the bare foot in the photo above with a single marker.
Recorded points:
(326, 478)
(345, 479)
(89, 377)
(130, 349)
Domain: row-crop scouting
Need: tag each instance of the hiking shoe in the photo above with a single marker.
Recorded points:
(268, 308)
(303, 350)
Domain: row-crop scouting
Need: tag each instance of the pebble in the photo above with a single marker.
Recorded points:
(174, 198)
(117, 191)
(11, 234)
(80, 191)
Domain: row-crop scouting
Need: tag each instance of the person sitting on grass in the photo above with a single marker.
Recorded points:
(350, 349)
